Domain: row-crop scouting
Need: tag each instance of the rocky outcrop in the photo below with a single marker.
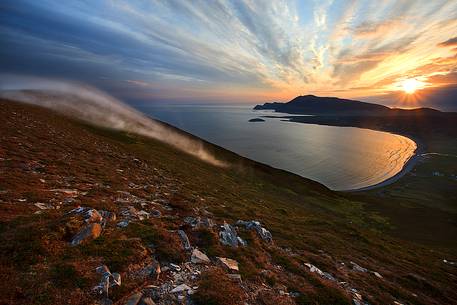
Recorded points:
(229, 237)
(107, 281)
(185, 240)
(89, 232)
(255, 225)
(199, 257)
(228, 263)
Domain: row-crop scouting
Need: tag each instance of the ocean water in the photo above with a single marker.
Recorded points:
(342, 158)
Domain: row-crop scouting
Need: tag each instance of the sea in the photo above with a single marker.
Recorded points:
(342, 158)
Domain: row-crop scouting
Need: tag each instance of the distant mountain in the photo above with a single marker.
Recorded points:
(315, 105)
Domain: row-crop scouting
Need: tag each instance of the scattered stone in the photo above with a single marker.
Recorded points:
(43, 206)
(108, 216)
(185, 240)
(142, 215)
(261, 231)
(358, 268)
(328, 276)
(175, 267)
(199, 257)
(230, 264)
(156, 213)
(89, 232)
(377, 274)
(313, 269)
(181, 288)
(123, 223)
(92, 216)
(228, 235)
(196, 222)
(107, 281)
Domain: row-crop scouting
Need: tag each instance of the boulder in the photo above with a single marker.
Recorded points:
(228, 263)
(181, 288)
(228, 235)
(89, 232)
(107, 280)
(185, 240)
(199, 257)
(261, 231)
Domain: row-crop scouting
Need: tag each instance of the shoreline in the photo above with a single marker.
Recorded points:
(406, 168)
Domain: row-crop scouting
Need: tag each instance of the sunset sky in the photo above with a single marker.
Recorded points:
(233, 50)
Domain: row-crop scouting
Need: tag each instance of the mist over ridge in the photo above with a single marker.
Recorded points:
(98, 108)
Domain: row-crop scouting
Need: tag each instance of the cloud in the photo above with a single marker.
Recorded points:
(370, 29)
(452, 42)
(222, 48)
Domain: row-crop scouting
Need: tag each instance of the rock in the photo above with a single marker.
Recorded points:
(181, 288)
(175, 267)
(230, 264)
(185, 240)
(313, 269)
(43, 206)
(108, 280)
(91, 231)
(241, 241)
(108, 216)
(142, 215)
(261, 231)
(92, 216)
(328, 276)
(156, 213)
(116, 279)
(123, 223)
(358, 268)
(228, 235)
(102, 269)
(192, 221)
(134, 299)
(377, 274)
(199, 257)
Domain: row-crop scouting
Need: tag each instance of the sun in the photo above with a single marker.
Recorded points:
(410, 85)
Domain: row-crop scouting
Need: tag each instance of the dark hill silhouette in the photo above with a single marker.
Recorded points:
(311, 104)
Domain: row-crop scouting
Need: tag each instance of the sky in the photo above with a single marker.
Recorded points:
(239, 51)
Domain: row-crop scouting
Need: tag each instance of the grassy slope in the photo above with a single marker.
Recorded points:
(320, 226)
(420, 206)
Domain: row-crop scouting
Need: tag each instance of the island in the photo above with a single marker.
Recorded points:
(256, 120)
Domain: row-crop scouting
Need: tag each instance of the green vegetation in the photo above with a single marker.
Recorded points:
(403, 231)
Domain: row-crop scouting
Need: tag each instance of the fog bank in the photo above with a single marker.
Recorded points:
(98, 108)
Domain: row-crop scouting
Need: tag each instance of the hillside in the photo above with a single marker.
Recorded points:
(311, 104)
(75, 197)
